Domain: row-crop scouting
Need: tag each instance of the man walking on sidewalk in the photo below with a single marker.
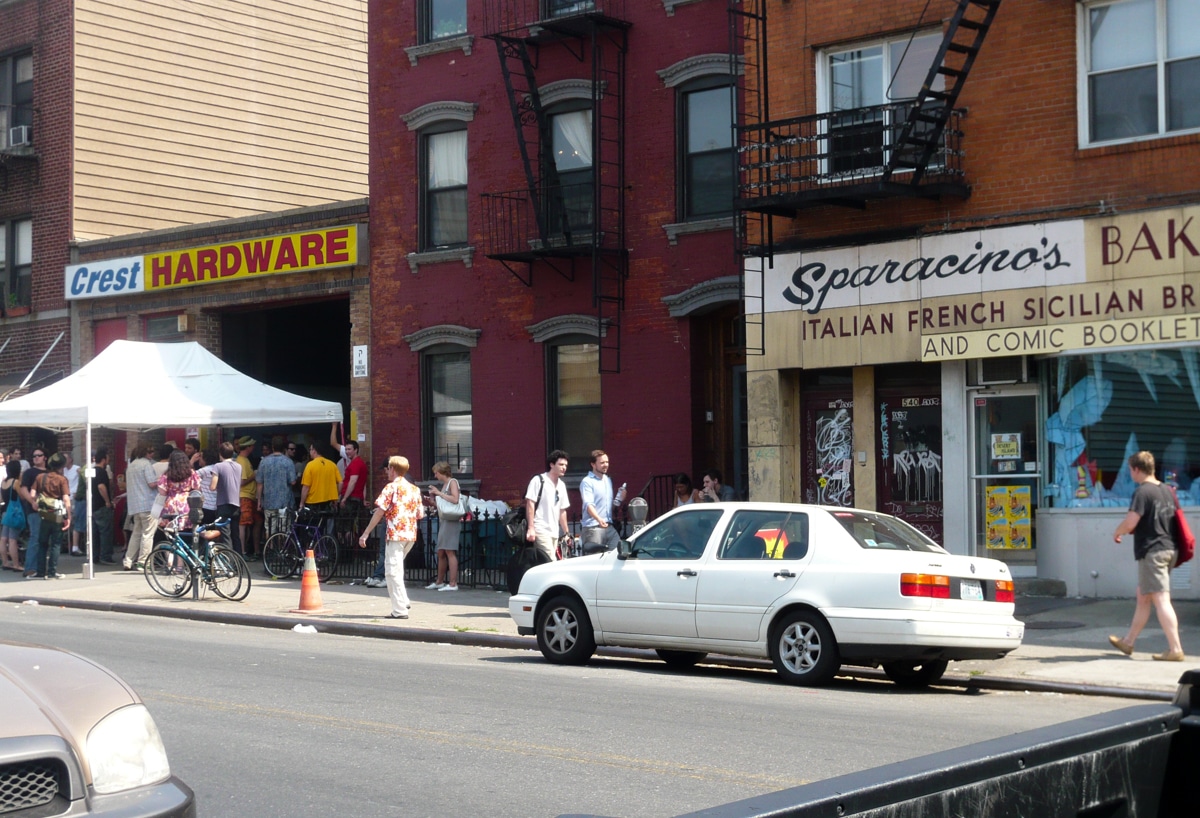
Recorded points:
(1149, 520)
(546, 505)
(400, 504)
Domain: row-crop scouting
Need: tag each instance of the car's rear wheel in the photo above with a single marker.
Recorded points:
(680, 659)
(803, 649)
(564, 632)
(915, 674)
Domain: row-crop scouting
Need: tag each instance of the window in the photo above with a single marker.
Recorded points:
(575, 423)
(681, 536)
(571, 150)
(1143, 68)
(706, 111)
(870, 84)
(446, 372)
(16, 94)
(16, 261)
(164, 329)
(760, 535)
(445, 189)
(1107, 406)
(561, 8)
(443, 18)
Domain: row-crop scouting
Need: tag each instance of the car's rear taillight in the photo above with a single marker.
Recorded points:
(931, 585)
(1004, 590)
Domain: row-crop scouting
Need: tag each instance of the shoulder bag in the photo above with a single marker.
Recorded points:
(14, 514)
(515, 524)
(452, 512)
(1181, 534)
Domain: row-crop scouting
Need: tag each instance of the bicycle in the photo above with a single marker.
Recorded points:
(174, 566)
(283, 553)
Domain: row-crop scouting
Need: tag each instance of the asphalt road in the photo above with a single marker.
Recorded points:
(272, 723)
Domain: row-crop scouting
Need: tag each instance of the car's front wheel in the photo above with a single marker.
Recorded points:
(564, 632)
(803, 649)
(915, 674)
(680, 659)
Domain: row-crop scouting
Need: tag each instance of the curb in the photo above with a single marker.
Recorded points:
(489, 640)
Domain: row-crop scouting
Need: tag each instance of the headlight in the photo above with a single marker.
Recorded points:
(125, 751)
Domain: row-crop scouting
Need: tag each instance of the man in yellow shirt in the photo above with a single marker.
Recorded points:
(247, 496)
(319, 485)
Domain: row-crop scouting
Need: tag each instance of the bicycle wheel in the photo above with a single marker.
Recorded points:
(325, 552)
(281, 557)
(229, 575)
(167, 573)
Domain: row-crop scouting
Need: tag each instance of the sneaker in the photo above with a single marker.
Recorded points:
(435, 586)
(397, 616)
(448, 588)
(75, 552)
(372, 582)
(64, 576)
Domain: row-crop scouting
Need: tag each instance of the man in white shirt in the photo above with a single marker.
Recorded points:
(546, 505)
(140, 490)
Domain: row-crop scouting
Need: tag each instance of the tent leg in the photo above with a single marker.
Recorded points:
(88, 565)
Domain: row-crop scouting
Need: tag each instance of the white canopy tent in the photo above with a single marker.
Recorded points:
(137, 386)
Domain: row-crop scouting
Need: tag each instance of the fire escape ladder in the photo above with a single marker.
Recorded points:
(920, 138)
(529, 119)
(610, 255)
(753, 229)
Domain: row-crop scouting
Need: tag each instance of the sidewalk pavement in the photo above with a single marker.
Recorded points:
(1065, 648)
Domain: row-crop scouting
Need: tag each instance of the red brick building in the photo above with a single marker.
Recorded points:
(35, 181)
(552, 254)
(973, 248)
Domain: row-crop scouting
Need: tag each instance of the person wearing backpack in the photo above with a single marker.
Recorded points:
(53, 486)
(13, 521)
(546, 504)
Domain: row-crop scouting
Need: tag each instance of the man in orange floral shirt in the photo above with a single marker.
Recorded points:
(400, 504)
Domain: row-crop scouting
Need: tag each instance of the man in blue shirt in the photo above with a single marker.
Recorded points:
(275, 476)
(596, 491)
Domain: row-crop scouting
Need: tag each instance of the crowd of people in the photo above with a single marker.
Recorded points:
(256, 489)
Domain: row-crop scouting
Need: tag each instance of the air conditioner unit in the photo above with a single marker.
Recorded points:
(995, 371)
(20, 136)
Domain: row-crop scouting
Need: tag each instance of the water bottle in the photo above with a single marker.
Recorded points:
(621, 493)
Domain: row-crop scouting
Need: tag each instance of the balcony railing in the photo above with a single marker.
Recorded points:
(513, 228)
(513, 16)
(841, 157)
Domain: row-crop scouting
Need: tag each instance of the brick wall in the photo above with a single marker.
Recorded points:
(649, 407)
(1023, 159)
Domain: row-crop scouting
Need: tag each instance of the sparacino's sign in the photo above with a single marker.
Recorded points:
(304, 251)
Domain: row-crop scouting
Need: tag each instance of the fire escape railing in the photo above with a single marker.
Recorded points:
(563, 221)
(818, 157)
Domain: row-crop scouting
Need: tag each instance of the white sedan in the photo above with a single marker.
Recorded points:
(811, 587)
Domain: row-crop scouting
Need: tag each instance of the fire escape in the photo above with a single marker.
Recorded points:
(570, 214)
(903, 149)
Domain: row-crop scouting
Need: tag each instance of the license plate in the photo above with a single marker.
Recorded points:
(970, 589)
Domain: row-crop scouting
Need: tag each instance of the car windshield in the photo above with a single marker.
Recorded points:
(879, 533)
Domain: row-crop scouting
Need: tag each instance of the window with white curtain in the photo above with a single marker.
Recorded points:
(571, 148)
(445, 189)
(1143, 68)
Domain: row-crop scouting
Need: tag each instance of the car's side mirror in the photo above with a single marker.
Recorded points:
(624, 550)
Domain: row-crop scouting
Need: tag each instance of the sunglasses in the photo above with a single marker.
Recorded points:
(38, 454)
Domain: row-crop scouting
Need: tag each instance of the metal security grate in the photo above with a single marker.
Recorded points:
(27, 784)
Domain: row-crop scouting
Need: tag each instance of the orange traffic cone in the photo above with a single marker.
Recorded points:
(310, 587)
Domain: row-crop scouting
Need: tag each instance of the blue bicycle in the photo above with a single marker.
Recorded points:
(175, 565)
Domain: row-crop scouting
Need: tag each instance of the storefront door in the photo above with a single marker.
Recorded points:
(909, 470)
(828, 449)
(1006, 473)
